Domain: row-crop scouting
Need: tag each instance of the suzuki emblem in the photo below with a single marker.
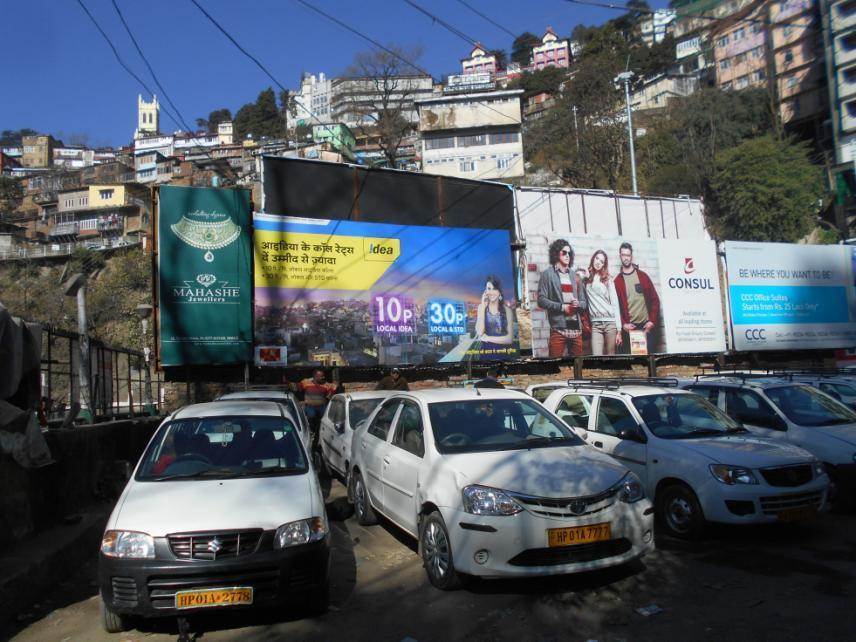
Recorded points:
(215, 545)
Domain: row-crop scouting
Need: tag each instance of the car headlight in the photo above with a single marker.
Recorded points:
(819, 468)
(482, 500)
(732, 475)
(128, 544)
(300, 532)
(630, 489)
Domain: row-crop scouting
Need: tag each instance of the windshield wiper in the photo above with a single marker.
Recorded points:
(540, 441)
(732, 431)
(209, 472)
(276, 470)
(702, 432)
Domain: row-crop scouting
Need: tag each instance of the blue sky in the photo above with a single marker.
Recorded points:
(60, 77)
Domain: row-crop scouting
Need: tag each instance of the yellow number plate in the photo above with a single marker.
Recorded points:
(213, 597)
(579, 534)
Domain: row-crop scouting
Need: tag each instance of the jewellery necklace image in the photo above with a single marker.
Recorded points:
(206, 235)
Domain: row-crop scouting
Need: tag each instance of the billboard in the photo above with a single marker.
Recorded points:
(606, 296)
(785, 296)
(203, 271)
(349, 293)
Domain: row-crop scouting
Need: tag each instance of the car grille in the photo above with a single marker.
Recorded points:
(162, 590)
(775, 504)
(564, 507)
(214, 545)
(788, 475)
(124, 592)
(571, 554)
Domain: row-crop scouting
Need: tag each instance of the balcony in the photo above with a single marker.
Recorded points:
(845, 49)
(109, 225)
(843, 15)
(65, 229)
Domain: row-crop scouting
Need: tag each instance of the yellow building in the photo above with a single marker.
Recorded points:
(106, 195)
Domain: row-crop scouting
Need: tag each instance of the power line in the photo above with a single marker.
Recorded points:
(488, 18)
(161, 87)
(444, 24)
(363, 36)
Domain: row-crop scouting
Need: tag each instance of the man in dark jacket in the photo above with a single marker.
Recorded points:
(491, 380)
(393, 381)
(637, 300)
(562, 295)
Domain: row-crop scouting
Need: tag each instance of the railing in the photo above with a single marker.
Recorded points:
(117, 377)
(50, 250)
(64, 229)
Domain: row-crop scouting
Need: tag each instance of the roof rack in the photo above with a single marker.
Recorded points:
(735, 374)
(613, 383)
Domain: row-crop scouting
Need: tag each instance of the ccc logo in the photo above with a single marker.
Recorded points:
(756, 335)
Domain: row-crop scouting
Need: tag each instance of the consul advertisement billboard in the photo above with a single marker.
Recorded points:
(350, 293)
(605, 296)
(203, 276)
(786, 296)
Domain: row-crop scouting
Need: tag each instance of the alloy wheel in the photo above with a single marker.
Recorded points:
(435, 548)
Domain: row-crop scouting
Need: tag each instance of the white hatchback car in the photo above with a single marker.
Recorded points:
(216, 522)
(341, 418)
(695, 462)
(286, 398)
(494, 485)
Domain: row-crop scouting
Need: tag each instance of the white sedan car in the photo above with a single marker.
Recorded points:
(696, 463)
(494, 485)
(342, 416)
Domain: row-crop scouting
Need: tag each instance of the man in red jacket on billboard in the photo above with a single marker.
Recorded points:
(637, 300)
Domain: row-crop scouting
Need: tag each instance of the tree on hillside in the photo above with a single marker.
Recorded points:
(501, 57)
(521, 48)
(214, 118)
(261, 118)
(12, 138)
(676, 155)
(765, 189)
(381, 92)
(548, 79)
(11, 193)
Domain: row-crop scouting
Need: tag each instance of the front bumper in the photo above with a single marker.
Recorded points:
(517, 545)
(761, 503)
(147, 587)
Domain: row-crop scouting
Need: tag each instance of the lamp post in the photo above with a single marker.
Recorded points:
(576, 130)
(144, 311)
(625, 77)
(76, 287)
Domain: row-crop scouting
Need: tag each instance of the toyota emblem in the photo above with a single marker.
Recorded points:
(577, 507)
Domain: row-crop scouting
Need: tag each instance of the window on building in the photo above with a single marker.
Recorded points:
(440, 143)
(759, 76)
(739, 33)
(757, 52)
(722, 41)
(849, 42)
(472, 141)
(725, 64)
(791, 82)
(789, 57)
(467, 166)
(756, 28)
(105, 194)
(741, 82)
(787, 31)
(846, 9)
(850, 75)
(739, 59)
(500, 138)
(89, 224)
(503, 163)
(851, 109)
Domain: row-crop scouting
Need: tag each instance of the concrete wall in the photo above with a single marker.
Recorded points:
(84, 472)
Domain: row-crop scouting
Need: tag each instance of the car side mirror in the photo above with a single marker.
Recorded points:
(631, 434)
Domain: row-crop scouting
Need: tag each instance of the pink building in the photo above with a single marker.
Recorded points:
(552, 52)
(480, 61)
(740, 49)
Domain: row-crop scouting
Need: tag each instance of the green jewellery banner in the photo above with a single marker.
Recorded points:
(204, 276)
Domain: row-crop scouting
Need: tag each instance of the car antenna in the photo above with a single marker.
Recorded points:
(476, 388)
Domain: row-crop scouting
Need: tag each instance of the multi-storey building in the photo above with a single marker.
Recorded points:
(148, 117)
(656, 92)
(312, 103)
(552, 52)
(480, 61)
(37, 151)
(654, 27)
(100, 215)
(740, 48)
(472, 135)
(356, 101)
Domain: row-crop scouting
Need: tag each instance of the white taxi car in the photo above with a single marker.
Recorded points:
(494, 485)
(342, 416)
(696, 463)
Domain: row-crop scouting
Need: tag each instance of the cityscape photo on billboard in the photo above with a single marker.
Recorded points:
(348, 293)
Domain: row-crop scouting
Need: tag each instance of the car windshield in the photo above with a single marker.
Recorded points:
(359, 409)
(223, 447)
(496, 424)
(683, 416)
(806, 406)
(540, 394)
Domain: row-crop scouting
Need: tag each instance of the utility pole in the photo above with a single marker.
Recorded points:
(576, 129)
(76, 286)
(625, 77)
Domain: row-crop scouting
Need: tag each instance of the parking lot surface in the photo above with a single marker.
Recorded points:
(783, 582)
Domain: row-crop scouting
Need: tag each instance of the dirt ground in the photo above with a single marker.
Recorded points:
(788, 582)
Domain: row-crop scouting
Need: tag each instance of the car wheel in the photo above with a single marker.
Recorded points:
(680, 512)
(320, 464)
(436, 552)
(111, 621)
(362, 504)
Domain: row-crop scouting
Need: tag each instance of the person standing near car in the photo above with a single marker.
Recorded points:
(393, 381)
(316, 394)
(562, 295)
(637, 300)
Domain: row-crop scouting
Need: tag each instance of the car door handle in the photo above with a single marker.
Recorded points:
(598, 444)
(386, 460)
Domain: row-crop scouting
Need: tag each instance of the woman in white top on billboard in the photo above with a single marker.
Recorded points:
(603, 310)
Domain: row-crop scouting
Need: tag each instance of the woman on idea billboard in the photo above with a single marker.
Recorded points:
(603, 310)
(494, 322)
